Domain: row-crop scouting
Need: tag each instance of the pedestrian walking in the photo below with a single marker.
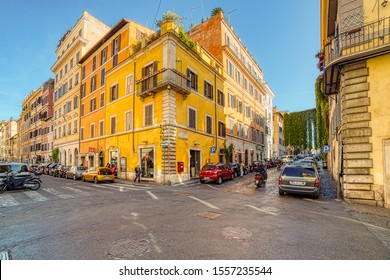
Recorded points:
(137, 170)
(242, 169)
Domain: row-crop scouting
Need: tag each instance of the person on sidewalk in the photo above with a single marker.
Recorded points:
(137, 170)
(242, 169)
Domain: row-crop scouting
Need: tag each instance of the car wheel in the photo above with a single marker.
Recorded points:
(74, 177)
(202, 181)
(219, 180)
(232, 176)
(281, 192)
(235, 174)
(83, 179)
(317, 195)
(112, 181)
(95, 180)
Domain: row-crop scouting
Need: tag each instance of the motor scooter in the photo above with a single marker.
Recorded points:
(259, 180)
(278, 166)
(10, 182)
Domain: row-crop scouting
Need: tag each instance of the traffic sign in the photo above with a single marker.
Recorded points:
(164, 144)
(213, 150)
(326, 149)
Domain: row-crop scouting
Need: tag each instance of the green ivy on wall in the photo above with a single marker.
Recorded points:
(308, 129)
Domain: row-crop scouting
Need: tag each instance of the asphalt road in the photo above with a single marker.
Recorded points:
(68, 219)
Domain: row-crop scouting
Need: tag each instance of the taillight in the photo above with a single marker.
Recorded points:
(317, 183)
(257, 176)
(99, 173)
(280, 180)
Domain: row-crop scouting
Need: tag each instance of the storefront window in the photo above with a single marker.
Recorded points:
(147, 162)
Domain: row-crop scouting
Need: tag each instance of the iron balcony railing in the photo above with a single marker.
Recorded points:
(166, 78)
(360, 40)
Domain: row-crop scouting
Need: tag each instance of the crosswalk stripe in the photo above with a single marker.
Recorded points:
(152, 195)
(80, 192)
(36, 196)
(131, 186)
(57, 193)
(117, 188)
(7, 200)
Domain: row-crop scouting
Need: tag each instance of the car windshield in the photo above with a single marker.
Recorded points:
(209, 167)
(299, 172)
(82, 168)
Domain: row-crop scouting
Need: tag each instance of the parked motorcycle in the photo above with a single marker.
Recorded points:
(11, 182)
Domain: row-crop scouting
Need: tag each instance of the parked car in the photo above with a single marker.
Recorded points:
(17, 169)
(216, 172)
(51, 168)
(98, 174)
(236, 169)
(300, 179)
(60, 171)
(76, 172)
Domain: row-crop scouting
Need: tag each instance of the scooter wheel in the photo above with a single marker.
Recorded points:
(36, 184)
(3, 188)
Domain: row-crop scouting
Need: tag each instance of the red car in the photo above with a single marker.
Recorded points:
(216, 172)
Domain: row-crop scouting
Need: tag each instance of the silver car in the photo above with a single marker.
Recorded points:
(75, 172)
(300, 179)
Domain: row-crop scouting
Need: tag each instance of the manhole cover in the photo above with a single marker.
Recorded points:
(238, 233)
(210, 215)
(129, 248)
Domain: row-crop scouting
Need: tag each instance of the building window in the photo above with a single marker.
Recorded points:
(82, 91)
(149, 79)
(114, 92)
(113, 125)
(77, 57)
(93, 83)
(94, 63)
(230, 69)
(239, 106)
(191, 118)
(238, 77)
(193, 79)
(75, 102)
(148, 115)
(227, 40)
(231, 126)
(232, 101)
(209, 125)
(93, 104)
(102, 77)
(75, 124)
(82, 110)
(71, 63)
(92, 130)
(115, 50)
(102, 97)
(208, 90)
(101, 128)
(221, 129)
(76, 79)
(83, 73)
(128, 120)
(246, 84)
(221, 98)
(130, 84)
(103, 56)
(82, 133)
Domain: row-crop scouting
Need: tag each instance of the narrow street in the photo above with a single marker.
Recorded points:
(68, 219)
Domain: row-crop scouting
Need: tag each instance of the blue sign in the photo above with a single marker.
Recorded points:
(213, 150)
(326, 149)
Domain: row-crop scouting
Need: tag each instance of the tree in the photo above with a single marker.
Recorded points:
(216, 11)
(54, 154)
(228, 151)
(170, 16)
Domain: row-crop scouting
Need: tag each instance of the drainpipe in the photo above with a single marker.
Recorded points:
(134, 105)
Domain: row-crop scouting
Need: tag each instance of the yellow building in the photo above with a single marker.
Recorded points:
(278, 134)
(72, 46)
(162, 105)
(355, 42)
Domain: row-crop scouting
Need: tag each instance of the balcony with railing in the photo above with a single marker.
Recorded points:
(166, 78)
(366, 40)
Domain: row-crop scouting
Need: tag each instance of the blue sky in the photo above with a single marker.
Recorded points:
(283, 37)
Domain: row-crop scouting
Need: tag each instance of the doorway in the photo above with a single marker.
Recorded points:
(194, 163)
(386, 191)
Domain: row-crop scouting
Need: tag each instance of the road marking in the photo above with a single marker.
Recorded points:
(36, 196)
(80, 192)
(351, 220)
(119, 188)
(260, 210)
(131, 186)
(203, 202)
(57, 193)
(152, 195)
(316, 201)
(7, 200)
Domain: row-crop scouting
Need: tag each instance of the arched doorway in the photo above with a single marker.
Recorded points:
(64, 163)
(246, 157)
(70, 157)
(101, 158)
